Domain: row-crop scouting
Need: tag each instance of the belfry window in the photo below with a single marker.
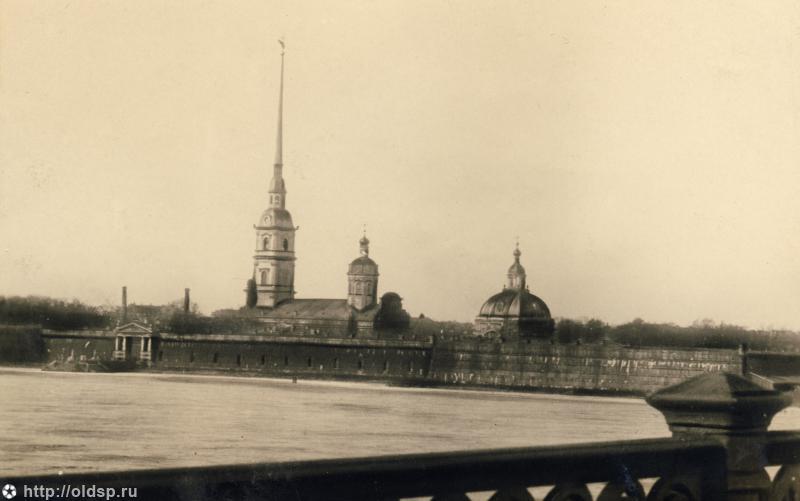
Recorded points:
(265, 243)
(264, 276)
(285, 244)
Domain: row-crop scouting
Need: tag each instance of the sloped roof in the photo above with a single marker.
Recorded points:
(333, 309)
(133, 328)
(318, 309)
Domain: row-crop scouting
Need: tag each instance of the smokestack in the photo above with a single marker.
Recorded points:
(124, 304)
(186, 300)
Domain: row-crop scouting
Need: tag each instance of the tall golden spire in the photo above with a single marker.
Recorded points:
(277, 187)
(279, 139)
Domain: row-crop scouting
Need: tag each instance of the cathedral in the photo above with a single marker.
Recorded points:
(271, 290)
(515, 312)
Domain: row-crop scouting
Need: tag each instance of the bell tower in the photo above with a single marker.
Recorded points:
(273, 266)
(362, 279)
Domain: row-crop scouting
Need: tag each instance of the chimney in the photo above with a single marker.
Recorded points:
(186, 300)
(124, 304)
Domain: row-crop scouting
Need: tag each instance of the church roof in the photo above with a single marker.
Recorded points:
(363, 265)
(318, 309)
(275, 216)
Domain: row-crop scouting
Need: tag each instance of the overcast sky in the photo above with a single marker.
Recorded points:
(646, 154)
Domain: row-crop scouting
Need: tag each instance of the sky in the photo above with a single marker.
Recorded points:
(645, 154)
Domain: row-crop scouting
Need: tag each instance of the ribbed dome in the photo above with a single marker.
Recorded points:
(275, 216)
(515, 303)
(363, 266)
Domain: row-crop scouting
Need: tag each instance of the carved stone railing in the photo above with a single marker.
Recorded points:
(719, 450)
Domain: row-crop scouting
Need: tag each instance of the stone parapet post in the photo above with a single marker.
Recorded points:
(733, 410)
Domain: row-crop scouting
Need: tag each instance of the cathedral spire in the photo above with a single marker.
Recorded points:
(279, 139)
(277, 187)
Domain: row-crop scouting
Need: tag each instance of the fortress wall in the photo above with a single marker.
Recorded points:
(600, 368)
(774, 364)
(293, 358)
(74, 345)
(534, 365)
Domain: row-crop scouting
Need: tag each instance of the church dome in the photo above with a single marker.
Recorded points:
(276, 217)
(518, 303)
(363, 265)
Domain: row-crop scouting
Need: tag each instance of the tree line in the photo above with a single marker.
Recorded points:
(58, 314)
(701, 334)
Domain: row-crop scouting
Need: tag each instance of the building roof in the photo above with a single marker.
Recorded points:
(275, 216)
(318, 309)
(363, 265)
(515, 303)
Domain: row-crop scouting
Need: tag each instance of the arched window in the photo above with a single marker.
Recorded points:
(264, 276)
(265, 243)
(285, 244)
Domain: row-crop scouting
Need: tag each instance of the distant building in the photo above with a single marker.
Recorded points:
(359, 315)
(514, 312)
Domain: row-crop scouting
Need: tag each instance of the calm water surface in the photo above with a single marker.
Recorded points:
(53, 422)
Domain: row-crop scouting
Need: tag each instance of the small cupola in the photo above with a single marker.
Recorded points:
(516, 273)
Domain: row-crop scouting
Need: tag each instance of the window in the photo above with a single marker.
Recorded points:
(360, 364)
(335, 363)
(285, 360)
(264, 277)
(263, 360)
(215, 358)
(411, 366)
(191, 357)
(285, 244)
(239, 359)
(385, 366)
(265, 243)
(309, 361)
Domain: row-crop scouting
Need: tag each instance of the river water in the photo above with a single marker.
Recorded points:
(51, 422)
